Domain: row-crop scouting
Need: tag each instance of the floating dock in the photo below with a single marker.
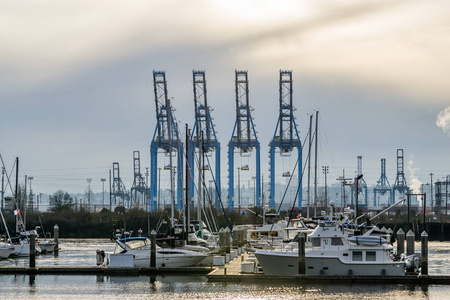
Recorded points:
(229, 272)
(102, 270)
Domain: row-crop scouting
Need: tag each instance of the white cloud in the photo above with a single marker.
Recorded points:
(443, 120)
(397, 46)
(414, 183)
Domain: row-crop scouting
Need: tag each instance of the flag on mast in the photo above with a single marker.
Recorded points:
(16, 212)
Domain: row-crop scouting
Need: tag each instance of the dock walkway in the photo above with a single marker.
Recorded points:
(102, 270)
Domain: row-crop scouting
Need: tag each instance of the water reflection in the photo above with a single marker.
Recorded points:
(83, 253)
(196, 287)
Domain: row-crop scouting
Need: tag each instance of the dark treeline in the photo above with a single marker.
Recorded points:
(84, 224)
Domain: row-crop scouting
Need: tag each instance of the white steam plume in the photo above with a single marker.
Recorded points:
(414, 182)
(443, 120)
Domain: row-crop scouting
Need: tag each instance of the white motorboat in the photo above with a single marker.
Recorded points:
(5, 250)
(140, 248)
(331, 254)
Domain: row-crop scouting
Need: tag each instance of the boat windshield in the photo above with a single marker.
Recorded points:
(138, 244)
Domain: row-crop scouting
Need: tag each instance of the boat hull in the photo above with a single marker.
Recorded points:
(169, 260)
(286, 263)
(5, 252)
(47, 246)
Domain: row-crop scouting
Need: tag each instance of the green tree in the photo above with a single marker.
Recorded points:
(60, 200)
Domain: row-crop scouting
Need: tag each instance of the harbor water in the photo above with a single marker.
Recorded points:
(83, 253)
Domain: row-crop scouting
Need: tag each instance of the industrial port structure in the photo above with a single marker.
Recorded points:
(203, 143)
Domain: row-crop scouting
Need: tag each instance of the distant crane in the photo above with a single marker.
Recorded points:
(138, 190)
(166, 137)
(400, 184)
(287, 137)
(383, 185)
(362, 185)
(118, 188)
(243, 137)
(204, 136)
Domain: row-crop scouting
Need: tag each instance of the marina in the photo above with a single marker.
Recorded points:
(92, 281)
(242, 150)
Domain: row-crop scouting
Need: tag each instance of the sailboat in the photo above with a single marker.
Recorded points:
(21, 243)
(6, 249)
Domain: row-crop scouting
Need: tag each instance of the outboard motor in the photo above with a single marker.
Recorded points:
(100, 257)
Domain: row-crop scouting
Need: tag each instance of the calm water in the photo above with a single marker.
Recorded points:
(82, 253)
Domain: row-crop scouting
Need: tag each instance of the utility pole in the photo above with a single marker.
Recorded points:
(159, 191)
(432, 203)
(254, 189)
(262, 199)
(239, 189)
(446, 192)
(147, 204)
(39, 200)
(103, 191)
(356, 198)
(110, 187)
(325, 171)
(31, 193)
(89, 180)
(344, 183)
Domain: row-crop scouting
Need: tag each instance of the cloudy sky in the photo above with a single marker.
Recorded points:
(76, 89)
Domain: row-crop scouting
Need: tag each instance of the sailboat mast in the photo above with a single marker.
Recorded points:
(172, 192)
(200, 186)
(315, 165)
(186, 210)
(309, 168)
(16, 193)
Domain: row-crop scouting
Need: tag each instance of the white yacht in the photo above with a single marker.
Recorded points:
(331, 254)
(140, 248)
(5, 250)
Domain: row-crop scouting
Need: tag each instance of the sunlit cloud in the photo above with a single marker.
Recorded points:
(397, 46)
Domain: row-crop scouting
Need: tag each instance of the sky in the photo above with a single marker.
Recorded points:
(76, 90)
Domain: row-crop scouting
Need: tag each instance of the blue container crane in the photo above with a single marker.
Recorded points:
(383, 185)
(288, 137)
(243, 137)
(204, 136)
(166, 137)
